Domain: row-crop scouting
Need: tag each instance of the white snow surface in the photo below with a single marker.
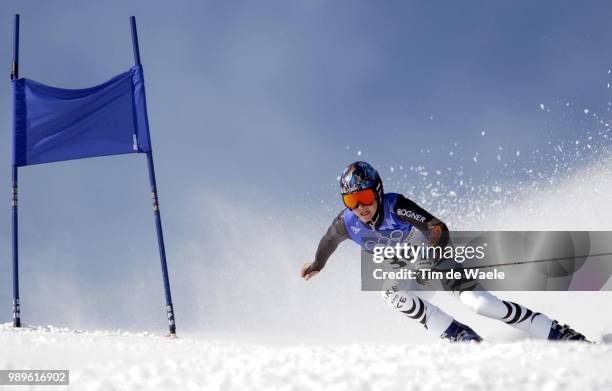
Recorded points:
(128, 361)
(272, 331)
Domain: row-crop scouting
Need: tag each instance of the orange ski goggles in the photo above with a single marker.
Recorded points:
(364, 197)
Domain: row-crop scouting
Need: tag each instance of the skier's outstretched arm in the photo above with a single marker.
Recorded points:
(434, 229)
(336, 233)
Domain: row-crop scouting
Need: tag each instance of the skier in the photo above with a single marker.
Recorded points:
(369, 211)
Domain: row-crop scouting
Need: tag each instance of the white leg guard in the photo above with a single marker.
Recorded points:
(484, 303)
(414, 307)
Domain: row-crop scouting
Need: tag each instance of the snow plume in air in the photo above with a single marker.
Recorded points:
(560, 185)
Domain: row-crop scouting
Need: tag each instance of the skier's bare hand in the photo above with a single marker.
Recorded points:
(305, 274)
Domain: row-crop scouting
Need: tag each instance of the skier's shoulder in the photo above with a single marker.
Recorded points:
(340, 217)
(407, 209)
(392, 198)
(396, 201)
(338, 224)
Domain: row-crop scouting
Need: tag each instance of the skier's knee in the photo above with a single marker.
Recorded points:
(483, 303)
(390, 295)
(482, 306)
(395, 297)
(385, 295)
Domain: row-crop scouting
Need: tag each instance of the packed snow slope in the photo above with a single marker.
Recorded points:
(121, 361)
(326, 335)
(247, 322)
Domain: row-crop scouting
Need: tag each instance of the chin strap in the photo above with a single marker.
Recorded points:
(378, 217)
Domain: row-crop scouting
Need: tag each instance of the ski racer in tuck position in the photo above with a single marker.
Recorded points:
(371, 210)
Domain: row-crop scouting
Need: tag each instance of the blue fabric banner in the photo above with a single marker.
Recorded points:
(53, 124)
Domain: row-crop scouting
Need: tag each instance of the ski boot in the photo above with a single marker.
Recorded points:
(564, 333)
(458, 332)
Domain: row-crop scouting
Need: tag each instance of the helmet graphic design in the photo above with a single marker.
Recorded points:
(359, 176)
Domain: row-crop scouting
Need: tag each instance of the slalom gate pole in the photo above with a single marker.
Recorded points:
(156, 213)
(16, 305)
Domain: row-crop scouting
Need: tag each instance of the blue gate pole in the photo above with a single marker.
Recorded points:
(16, 305)
(158, 224)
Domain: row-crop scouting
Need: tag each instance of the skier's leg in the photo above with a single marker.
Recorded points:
(414, 307)
(484, 303)
(535, 324)
(430, 316)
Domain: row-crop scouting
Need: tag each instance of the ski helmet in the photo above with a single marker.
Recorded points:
(359, 176)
